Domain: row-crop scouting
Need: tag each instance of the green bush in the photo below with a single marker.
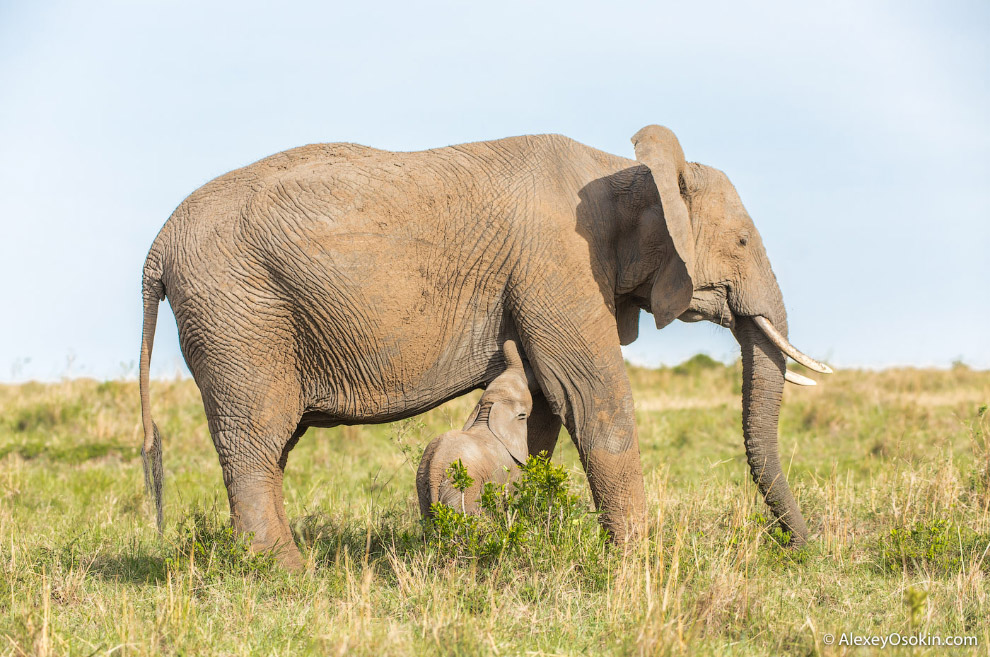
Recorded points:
(938, 547)
(539, 511)
(775, 541)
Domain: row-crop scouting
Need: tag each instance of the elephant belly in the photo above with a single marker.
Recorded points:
(343, 397)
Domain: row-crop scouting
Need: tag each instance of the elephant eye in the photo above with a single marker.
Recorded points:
(743, 240)
(521, 416)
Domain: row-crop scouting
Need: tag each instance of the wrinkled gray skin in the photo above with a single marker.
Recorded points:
(491, 445)
(339, 284)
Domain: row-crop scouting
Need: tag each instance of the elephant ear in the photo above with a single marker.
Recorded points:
(474, 417)
(509, 429)
(673, 286)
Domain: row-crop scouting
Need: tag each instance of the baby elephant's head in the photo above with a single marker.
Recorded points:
(506, 405)
(491, 445)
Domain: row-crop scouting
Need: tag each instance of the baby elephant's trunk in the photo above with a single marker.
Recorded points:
(511, 352)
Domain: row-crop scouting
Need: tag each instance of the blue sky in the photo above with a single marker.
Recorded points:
(857, 133)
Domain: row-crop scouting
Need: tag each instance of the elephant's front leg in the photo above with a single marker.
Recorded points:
(583, 377)
(604, 432)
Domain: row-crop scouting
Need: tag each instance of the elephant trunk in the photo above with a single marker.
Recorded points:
(763, 385)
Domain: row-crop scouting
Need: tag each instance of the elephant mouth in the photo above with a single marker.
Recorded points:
(724, 318)
(710, 304)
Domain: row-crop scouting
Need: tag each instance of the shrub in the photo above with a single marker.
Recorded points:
(938, 547)
(697, 363)
(775, 541)
(539, 511)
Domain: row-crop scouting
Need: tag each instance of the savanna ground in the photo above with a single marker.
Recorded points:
(891, 468)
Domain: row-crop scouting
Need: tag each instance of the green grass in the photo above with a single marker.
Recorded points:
(892, 469)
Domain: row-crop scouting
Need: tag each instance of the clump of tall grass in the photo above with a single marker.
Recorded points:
(979, 479)
(207, 545)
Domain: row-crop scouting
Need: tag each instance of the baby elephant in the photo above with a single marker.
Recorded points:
(491, 445)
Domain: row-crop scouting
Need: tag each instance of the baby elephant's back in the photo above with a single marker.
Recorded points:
(484, 457)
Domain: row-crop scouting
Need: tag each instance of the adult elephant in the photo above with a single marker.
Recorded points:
(339, 284)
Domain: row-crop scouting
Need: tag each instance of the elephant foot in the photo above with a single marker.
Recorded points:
(617, 486)
(258, 511)
(288, 555)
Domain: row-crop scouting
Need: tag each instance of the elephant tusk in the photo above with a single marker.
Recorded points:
(798, 379)
(781, 342)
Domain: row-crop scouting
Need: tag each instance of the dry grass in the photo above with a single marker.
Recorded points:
(892, 469)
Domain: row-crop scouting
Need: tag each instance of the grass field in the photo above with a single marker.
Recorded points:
(891, 468)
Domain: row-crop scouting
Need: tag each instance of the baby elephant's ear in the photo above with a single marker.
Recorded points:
(474, 417)
(509, 428)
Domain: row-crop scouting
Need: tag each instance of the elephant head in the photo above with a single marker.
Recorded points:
(714, 267)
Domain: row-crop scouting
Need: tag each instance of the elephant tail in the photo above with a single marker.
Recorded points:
(153, 291)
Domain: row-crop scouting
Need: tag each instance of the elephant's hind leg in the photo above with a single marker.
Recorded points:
(253, 448)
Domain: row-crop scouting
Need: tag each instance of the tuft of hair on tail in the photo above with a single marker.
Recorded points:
(151, 459)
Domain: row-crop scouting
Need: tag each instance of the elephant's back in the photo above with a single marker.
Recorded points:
(334, 170)
(326, 185)
(311, 219)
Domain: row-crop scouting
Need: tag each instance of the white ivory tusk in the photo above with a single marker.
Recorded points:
(781, 342)
(798, 379)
